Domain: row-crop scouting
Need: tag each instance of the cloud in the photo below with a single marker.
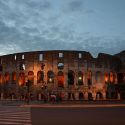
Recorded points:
(76, 5)
(89, 11)
(9, 48)
(38, 25)
(38, 4)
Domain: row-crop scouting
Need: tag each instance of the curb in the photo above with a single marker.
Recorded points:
(74, 106)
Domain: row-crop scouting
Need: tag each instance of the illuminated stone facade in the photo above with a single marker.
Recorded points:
(72, 74)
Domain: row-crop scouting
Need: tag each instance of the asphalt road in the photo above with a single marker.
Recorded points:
(78, 116)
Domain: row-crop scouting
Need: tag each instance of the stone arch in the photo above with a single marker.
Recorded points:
(31, 76)
(111, 77)
(99, 95)
(1, 67)
(60, 65)
(80, 78)
(98, 77)
(60, 79)
(70, 77)
(21, 79)
(81, 96)
(14, 77)
(106, 77)
(89, 77)
(90, 97)
(40, 77)
(114, 77)
(50, 76)
(1, 78)
(7, 77)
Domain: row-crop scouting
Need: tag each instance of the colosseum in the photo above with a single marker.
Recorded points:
(72, 75)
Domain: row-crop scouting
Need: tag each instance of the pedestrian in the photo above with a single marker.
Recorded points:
(53, 98)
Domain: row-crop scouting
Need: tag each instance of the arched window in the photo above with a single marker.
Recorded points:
(70, 77)
(1, 79)
(106, 76)
(80, 55)
(31, 76)
(114, 77)
(22, 66)
(89, 76)
(40, 77)
(40, 57)
(14, 77)
(60, 66)
(60, 55)
(7, 77)
(21, 79)
(98, 77)
(1, 67)
(60, 79)
(15, 57)
(50, 77)
(80, 78)
(111, 77)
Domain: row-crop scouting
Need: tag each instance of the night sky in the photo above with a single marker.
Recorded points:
(88, 25)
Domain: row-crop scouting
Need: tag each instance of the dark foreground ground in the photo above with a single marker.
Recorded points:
(78, 116)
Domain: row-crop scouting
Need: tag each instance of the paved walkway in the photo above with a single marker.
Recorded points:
(98, 103)
(73, 105)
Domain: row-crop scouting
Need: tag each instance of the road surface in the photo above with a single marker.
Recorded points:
(78, 116)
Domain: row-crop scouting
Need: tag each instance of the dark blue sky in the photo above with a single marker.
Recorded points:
(89, 25)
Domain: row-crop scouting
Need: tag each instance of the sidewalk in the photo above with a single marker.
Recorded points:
(73, 106)
(71, 103)
(85, 104)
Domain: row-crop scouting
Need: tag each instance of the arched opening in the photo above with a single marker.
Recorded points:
(121, 77)
(7, 77)
(40, 77)
(60, 66)
(81, 96)
(1, 79)
(70, 77)
(99, 95)
(60, 79)
(106, 77)
(98, 77)
(14, 77)
(21, 79)
(1, 68)
(80, 78)
(22, 66)
(31, 76)
(111, 92)
(89, 78)
(112, 77)
(90, 96)
(50, 76)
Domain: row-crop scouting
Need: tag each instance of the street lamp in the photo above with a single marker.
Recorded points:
(80, 78)
(50, 79)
